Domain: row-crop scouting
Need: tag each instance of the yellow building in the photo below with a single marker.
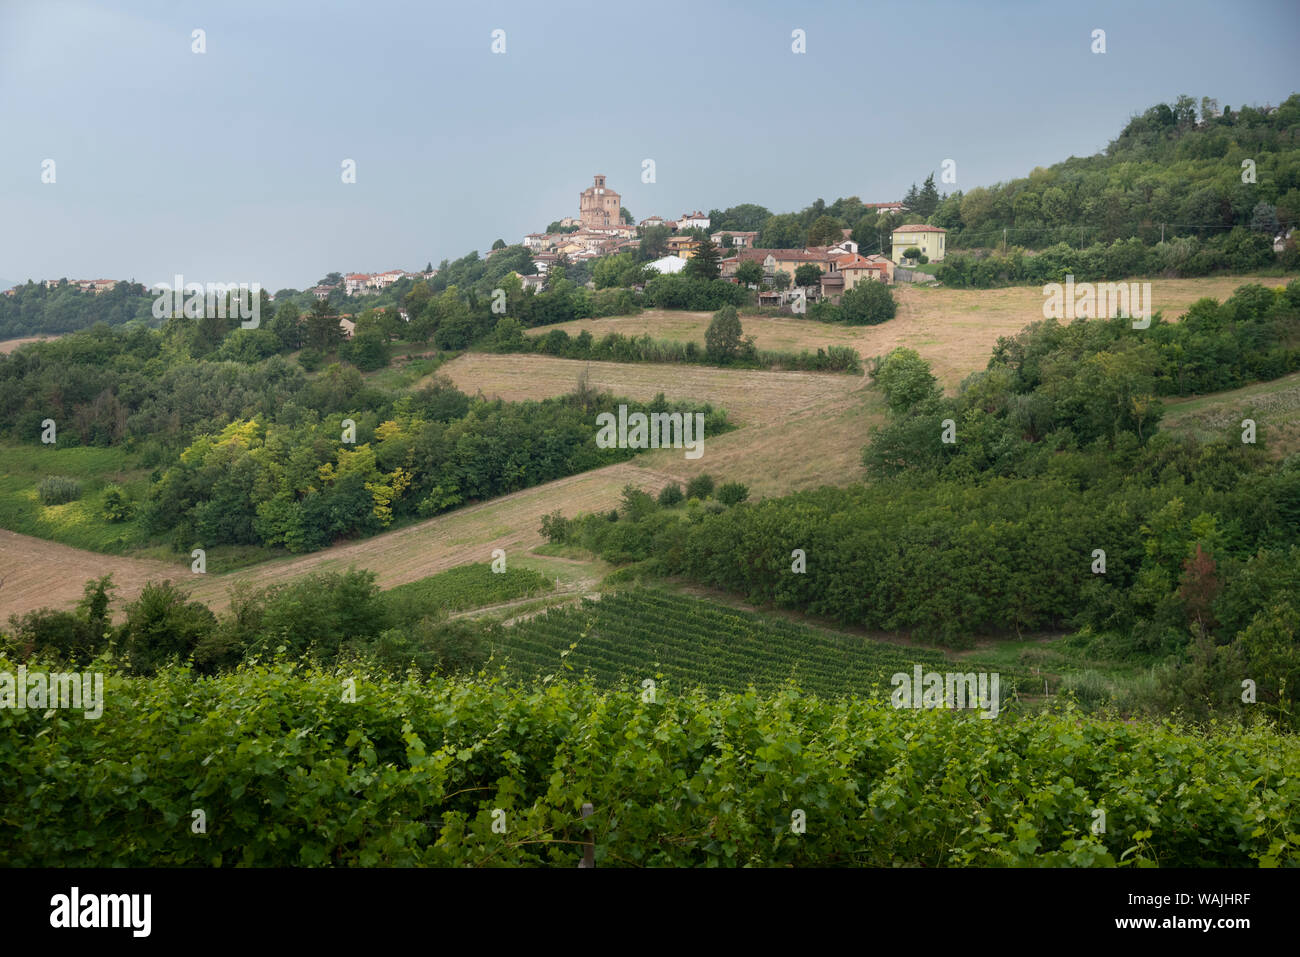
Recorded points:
(928, 239)
(684, 246)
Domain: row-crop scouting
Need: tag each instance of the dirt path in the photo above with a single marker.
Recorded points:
(578, 590)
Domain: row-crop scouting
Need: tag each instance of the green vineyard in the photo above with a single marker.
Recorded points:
(466, 586)
(688, 642)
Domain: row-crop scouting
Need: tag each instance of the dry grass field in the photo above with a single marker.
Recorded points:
(798, 429)
(954, 329)
(35, 573)
(9, 345)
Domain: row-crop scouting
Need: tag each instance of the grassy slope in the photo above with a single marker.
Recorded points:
(1275, 407)
(953, 329)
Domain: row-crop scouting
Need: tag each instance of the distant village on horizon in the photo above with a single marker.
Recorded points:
(600, 230)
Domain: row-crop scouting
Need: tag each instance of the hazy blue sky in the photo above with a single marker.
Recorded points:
(225, 166)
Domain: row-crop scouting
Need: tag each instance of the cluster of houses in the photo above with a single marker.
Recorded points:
(356, 283)
(85, 285)
(600, 230)
(841, 265)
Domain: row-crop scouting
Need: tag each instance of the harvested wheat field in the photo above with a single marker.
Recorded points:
(798, 429)
(9, 345)
(749, 396)
(35, 573)
(954, 329)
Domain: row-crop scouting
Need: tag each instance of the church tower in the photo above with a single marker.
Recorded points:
(598, 205)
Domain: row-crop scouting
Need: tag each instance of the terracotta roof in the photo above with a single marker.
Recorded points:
(919, 228)
(858, 262)
(798, 255)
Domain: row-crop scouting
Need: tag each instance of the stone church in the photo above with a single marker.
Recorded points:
(599, 205)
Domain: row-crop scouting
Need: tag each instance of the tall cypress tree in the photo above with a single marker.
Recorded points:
(704, 264)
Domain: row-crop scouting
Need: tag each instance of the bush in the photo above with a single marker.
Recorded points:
(700, 487)
(670, 495)
(636, 504)
(556, 528)
(867, 304)
(733, 493)
(163, 625)
(58, 489)
(117, 507)
(722, 338)
(311, 359)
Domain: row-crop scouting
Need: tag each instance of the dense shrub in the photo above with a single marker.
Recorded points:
(58, 489)
(732, 493)
(670, 494)
(700, 486)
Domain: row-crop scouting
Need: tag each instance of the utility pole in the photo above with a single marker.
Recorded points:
(1162, 232)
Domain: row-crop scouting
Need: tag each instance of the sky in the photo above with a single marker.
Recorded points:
(227, 165)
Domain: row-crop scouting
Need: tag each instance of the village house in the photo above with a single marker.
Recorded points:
(928, 239)
(684, 246)
(695, 220)
(356, 282)
(85, 285)
(651, 221)
(851, 270)
(740, 239)
(846, 247)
